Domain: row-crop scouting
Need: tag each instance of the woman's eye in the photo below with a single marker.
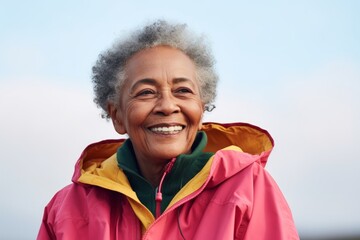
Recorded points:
(183, 90)
(146, 92)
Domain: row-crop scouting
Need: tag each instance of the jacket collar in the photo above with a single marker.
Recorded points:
(249, 138)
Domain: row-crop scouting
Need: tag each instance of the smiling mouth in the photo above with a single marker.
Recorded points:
(167, 130)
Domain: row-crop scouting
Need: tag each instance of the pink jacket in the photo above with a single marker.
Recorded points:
(232, 197)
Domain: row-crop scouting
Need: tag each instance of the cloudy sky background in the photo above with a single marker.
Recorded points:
(291, 68)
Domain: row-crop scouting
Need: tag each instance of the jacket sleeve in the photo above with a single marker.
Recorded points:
(45, 232)
(47, 227)
(270, 215)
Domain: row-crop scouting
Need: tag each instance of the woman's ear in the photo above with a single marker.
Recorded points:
(116, 118)
(200, 125)
(201, 119)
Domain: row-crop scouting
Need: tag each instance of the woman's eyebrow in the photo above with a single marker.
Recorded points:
(148, 81)
(180, 80)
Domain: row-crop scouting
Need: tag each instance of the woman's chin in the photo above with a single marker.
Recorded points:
(169, 153)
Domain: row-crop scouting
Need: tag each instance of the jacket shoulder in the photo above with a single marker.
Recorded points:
(70, 202)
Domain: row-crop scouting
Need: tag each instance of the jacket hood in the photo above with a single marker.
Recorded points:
(237, 145)
(251, 140)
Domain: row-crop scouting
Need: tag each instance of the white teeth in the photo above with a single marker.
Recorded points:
(167, 130)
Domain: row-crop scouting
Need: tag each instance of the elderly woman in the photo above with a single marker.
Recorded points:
(174, 177)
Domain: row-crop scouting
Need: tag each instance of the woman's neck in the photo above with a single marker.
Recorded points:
(150, 171)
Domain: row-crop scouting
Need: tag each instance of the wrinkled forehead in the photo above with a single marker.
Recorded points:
(153, 63)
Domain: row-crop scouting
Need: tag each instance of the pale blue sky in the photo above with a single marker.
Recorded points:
(292, 68)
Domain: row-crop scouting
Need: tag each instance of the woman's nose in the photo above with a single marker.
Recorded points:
(166, 104)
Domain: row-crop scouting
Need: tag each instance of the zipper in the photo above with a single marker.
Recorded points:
(179, 203)
(158, 195)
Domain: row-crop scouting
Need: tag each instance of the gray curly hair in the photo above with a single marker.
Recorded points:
(109, 70)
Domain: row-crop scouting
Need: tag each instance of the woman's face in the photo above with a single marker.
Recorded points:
(160, 106)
